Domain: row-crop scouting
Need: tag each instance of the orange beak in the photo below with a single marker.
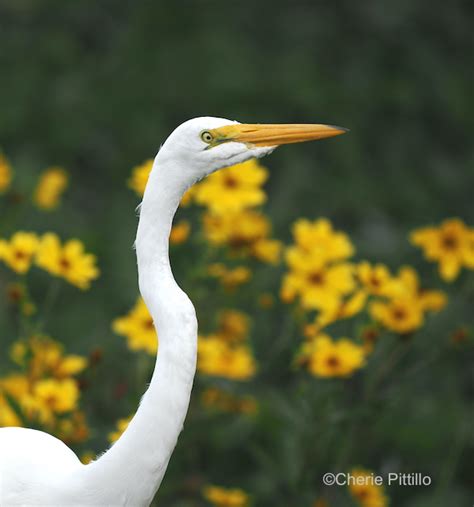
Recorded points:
(274, 135)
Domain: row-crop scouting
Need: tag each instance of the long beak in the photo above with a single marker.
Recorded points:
(274, 135)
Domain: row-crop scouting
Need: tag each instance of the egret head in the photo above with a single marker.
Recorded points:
(204, 145)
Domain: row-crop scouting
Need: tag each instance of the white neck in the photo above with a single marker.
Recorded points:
(133, 468)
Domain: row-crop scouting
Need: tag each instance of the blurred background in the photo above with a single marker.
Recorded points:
(96, 87)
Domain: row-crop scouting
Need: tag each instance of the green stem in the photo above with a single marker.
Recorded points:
(11, 213)
(387, 366)
(348, 444)
(49, 302)
(454, 453)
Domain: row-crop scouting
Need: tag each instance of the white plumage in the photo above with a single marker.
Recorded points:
(37, 469)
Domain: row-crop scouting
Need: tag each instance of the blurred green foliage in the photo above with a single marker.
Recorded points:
(97, 86)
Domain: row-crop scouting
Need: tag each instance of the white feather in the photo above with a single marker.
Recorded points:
(38, 469)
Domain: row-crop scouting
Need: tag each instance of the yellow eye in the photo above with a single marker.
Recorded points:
(206, 136)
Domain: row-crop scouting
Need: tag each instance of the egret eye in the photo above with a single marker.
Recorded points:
(206, 136)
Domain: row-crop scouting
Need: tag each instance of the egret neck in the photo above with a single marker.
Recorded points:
(135, 465)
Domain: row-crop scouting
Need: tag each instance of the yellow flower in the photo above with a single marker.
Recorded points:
(267, 250)
(244, 231)
(15, 385)
(70, 365)
(233, 325)
(407, 285)
(230, 278)
(139, 178)
(234, 188)
(219, 358)
(332, 310)
(376, 279)
(238, 229)
(448, 244)
(74, 429)
(46, 355)
(18, 388)
(51, 185)
(46, 389)
(221, 497)
(8, 417)
(317, 242)
(407, 303)
(469, 250)
(5, 174)
(46, 358)
(225, 354)
(18, 351)
(57, 395)
(180, 232)
(19, 252)
(364, 490)
(402, 315)
(318, 285)
(68, 261)
(317, 274)
(138, 328)
(122, 425)
(328, 358)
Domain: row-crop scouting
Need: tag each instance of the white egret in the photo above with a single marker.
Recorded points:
(38, 469)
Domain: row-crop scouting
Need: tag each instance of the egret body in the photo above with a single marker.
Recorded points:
(37, 468)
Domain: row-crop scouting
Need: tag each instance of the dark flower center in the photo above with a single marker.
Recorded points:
(375, 281)
(15, 294)
(148, 324)
(399, 314)
(370, 335)
(333, 362)
(50, 400)
(450, 242)
(239, 241)
(316, 278)
(64, 263)
(362, 494)
(231, 182)
(20, 255)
